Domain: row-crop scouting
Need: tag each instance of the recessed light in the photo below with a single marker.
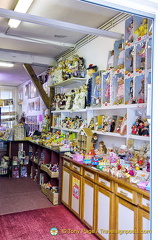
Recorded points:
(6, 64)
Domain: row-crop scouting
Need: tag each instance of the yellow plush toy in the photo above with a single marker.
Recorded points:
(142, 29)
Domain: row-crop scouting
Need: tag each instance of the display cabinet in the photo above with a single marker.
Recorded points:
(111, 207)
(88, 198)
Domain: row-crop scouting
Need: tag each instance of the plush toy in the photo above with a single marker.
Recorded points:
(142, 29)
(120, 90)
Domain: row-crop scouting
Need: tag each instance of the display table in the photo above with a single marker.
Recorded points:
(105, 203)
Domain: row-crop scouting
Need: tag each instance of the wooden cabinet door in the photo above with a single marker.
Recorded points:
(88, 203)
(144, 225)
(126, 220)
(104, 214)
(76, 194)
(65, 198)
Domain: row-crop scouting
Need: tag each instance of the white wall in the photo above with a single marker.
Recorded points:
(96, 52)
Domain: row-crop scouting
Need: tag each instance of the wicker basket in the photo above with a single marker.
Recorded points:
(50, 173)
(44, 190)
(53, 197)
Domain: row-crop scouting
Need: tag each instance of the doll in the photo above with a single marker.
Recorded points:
(91, 69)
(97, 91)
(102, 148)
(131, 53)
(107, 90)
(142, 53)
(145, 129)
(142, 29)
(111, 60)
(94, 139)
(141, 92)
(121, 56)
(130, 32)
(120, 90)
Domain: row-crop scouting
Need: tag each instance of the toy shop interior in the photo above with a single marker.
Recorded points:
(78, 133)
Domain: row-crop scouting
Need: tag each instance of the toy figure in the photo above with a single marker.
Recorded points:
(123, 128)
(131, 93)
(145, 129)
(129, 29)
(94, 139)
(111, 60)
(142, 53)
(97, 91)
(107, 90)
(91, 69)
(102, 148)
(82, 97)
(131, 54)
(120, 90)
(121, 56)
(142, 29)
(141, 92)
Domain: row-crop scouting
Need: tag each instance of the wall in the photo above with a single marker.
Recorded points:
(97, 51)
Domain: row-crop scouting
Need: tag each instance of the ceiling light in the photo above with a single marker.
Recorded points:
(6, 64)
(22, 6)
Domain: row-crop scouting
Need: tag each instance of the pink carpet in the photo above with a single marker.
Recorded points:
(36, 225)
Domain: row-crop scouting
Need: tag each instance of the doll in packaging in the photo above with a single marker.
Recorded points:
(121, 57)
(129, 29)
(111, 60)
(97, 91)
(120, 90)
(90, 70)
(107, 90)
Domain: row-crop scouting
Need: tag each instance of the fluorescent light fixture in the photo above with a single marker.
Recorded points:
(6, 64)
(22, 6)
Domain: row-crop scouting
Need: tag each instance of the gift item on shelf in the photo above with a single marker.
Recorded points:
(141, 56)
(129, 27)
(46, 124)
(111, 60)
(129, 88)
(102, 149)
(84, 138)
(71, 67)
(23, 171)
(106, 88)
(19, 132)
(140, 127)
(129, 55)
(140, 89)
(142, 29)
(119, 89)
(90, 70)
(15, 171)
(121, 56)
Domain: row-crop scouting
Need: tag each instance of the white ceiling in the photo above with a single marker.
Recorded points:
(15, 45)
